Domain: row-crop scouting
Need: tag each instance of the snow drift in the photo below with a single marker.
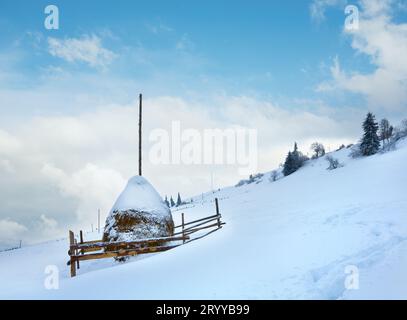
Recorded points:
(138, 213)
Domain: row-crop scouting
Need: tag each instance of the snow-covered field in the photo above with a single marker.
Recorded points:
(289, 239)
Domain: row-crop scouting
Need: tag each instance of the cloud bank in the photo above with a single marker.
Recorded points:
(384, 42)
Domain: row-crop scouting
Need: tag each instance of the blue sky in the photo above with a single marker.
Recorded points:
(68, 97)
(269, 48)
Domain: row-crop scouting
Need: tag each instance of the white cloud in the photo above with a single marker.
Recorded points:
(319, 7)
(6, 166)
(374, 8)
(94, 187)
(10, 230)
(158, 27)
(8, 143)
(184, 43)
(47, 228)
(385, 43)
(87, 49)
(48, 223)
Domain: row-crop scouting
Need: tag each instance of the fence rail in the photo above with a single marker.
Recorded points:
(98, 249)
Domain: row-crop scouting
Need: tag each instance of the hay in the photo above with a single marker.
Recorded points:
(139, 213)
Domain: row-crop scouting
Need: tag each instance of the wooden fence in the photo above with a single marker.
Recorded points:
(91, 250)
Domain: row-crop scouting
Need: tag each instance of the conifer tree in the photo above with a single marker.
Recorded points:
(179, 202)
(289, 164)
(370, 142)
(294, 161)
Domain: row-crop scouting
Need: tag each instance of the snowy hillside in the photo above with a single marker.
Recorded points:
(288, 239)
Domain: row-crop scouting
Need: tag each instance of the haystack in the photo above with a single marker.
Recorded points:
(139, 213)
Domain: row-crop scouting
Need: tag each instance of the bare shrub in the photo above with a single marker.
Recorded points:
(333, 163)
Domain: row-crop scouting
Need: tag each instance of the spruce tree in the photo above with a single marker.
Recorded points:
(166, 201)
(179, 202)
(294, 161)
(289, 164)
(370, 142)
(296, 158)
(172, 203)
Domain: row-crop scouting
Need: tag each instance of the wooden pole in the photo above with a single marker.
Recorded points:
(200, 224)
(217, 211)
(193, 222)
(71, 253)
(140, 134)
(127, 244)
(124, 252)
(81, 242)
(76, 253)
(183, 233)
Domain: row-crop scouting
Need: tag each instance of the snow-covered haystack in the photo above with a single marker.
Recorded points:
(138, 213)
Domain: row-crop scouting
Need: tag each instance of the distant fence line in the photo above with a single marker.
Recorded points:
(10, 245)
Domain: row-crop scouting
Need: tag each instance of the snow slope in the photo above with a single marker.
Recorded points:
(289, 239)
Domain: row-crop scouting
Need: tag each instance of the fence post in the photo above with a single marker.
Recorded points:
(183, 222)
(217, 212)
(81, 240)
(76, 253)
(71, 253)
